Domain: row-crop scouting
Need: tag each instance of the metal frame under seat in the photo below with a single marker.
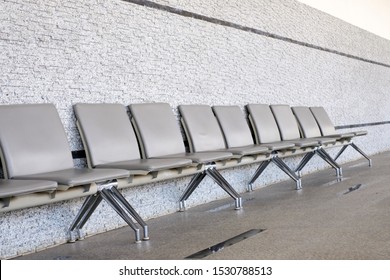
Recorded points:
(210, 170)
(279, 163)
(108, 192)
(353, 145)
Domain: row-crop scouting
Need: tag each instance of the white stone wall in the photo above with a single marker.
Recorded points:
(66, 52)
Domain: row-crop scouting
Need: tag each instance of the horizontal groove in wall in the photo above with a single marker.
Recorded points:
(189, 14)
(361, 125)
(80, 154)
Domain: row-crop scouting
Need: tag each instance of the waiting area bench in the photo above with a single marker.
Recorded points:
(137, 144)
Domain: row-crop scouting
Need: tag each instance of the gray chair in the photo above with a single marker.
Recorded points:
(268, 130)
(265, 127)
(327, 129)
(309, 128)
(237, 133)
(160, 137)
(110, 142)
(289, 131)
(14, 188)
(307, 123)
(34, 147)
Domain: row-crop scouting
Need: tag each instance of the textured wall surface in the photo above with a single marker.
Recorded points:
(66, 52)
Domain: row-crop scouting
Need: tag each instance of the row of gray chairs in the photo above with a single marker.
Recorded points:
(34, 148)
(36, 156)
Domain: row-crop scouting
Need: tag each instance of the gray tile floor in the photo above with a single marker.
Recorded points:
(327, 219)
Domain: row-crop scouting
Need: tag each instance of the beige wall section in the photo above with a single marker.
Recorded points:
(294, 20)
(370, 15)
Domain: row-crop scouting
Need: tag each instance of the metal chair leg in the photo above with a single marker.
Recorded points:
(108, 192)
(118, 196)
(211, 171)
(341, 151)
(303, 163)
(258, 172)
(284, 167)
(325, 156)
(85, 212)
(107, 196)
(194, 183)
(353, 145)
(221, 181)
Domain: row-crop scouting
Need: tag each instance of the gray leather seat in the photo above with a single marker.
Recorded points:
(328, 130)
(77, 176)
(160, 137)
(12, 188)
(308, 125)
(110, 142)
(290, 131)
(279, 126)
(310, 128)
(265, 127)
(237, 133)
(34, 146)
(326, 125)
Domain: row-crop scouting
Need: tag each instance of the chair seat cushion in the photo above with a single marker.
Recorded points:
(249, 150)
(303, 143)
(203, 157)
(324, 140)
(9, 188)
(276, 146)
(144, 166)
(79, 176)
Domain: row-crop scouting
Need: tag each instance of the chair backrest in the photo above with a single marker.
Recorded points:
(287, 123)
(263, 123)
(157, 128)
(323, 120)
(234, 126)
(202, 128)
(307, 123)
(107, 133)
(33, 140)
